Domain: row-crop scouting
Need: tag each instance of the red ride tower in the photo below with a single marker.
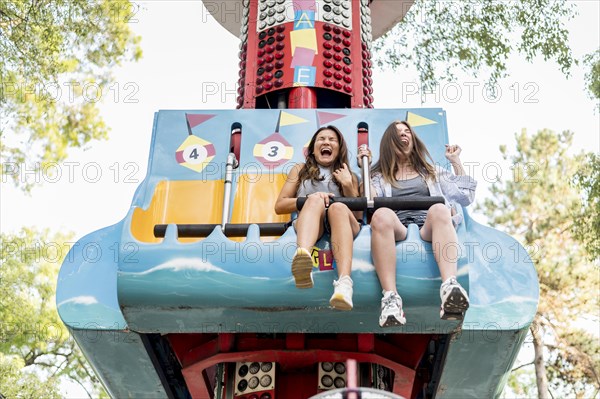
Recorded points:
(306, 53)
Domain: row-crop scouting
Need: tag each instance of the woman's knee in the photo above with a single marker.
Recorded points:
(439, 213)
(383, 219)
(337, 209)
(314, 203)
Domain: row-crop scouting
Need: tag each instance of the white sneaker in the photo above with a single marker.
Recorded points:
(391, 310)
(302, 266)
(342, 294)
(455, 300)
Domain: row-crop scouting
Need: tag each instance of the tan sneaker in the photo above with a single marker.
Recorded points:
(342, 294)
(302, 269)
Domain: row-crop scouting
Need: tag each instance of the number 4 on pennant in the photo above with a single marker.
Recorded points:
(195, 153)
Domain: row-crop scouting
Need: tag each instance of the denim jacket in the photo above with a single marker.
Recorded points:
(455, 189)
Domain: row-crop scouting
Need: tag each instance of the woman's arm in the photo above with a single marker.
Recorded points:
(286, 201)
(460, 189)
(453, 155)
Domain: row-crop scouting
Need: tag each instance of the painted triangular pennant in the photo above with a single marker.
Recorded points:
(289, 119)
(196, 119)
(326, 117)
(417, 120)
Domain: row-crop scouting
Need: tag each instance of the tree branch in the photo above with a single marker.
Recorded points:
(521, 366)
(84, 388)
(44, 364)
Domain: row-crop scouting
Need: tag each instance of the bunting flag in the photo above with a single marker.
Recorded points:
(416, 120)
(324, 118)
(195, 153)
(194, 120)
(287, 119)
(273, 151)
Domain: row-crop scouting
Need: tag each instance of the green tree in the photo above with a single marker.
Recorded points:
(587, 220)
(56, 57)
(537, 207)
(440, 38)
(592, 77)
(56, 60)
(37, 352)
(15, 383)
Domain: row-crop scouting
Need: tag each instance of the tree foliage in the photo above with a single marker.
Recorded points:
(37, 350)
(15, 383)
(440, 38)
(587, 221)
(538, 207)
(592, 77)
(56, 56)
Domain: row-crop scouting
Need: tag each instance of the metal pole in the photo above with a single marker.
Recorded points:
(366, 178)
(232, 163)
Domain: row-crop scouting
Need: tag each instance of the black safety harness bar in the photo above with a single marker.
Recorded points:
(277, 229)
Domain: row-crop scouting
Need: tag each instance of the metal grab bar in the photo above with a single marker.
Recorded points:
(229, 230)
(363, 141)
(232, 163)
(366, 177)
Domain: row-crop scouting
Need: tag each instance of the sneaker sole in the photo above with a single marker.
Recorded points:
(301, 270)
(338, 302)
(451, 316)
(455, 306)
(391, 321)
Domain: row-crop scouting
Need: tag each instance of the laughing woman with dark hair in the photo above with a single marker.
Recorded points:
(405, 168)
(324, 176)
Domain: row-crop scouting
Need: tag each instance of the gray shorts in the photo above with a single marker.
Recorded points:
(418, 220)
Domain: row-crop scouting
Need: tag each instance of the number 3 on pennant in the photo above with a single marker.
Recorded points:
(273, 151)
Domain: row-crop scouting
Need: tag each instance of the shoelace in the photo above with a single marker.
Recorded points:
(339, 282)
(390, 300)
(448, 284)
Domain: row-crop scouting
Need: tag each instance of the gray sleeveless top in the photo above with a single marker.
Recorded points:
(410, 188)
(327, 185)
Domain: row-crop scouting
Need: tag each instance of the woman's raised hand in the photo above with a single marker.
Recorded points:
(343, 176)
(363, 151)
(453, 153)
